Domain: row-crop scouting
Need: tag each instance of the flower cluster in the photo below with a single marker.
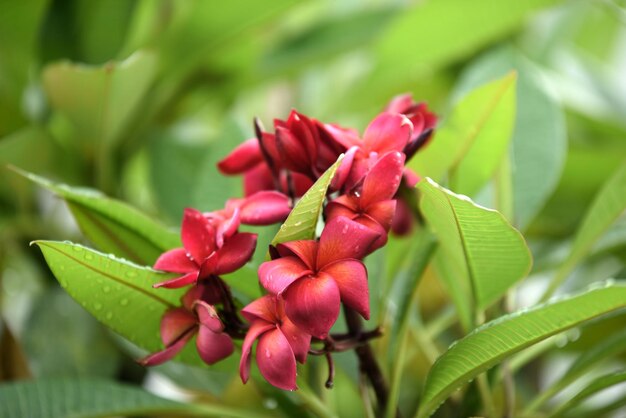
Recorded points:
(306, 281)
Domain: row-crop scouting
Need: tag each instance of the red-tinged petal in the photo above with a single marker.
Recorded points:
(376, 228)
(236, 252)
(243, 158)
(312, 304)
(305, 250)
(383, 212)
(293, 153)
(383, 179)
(170, 352)
(410, 177)
(213, 346)
(177, 282)
(351, 279)
(387, 132)
(306, 133)
(208, 317)
(301, 183)
(400, 103)
(198, 235)
(175, 261)
(402, 222)
(299, 340)
(276, 360)
(228, 227)
(343, 171)
(343, 238)
(256, 329)
(265, 208)
(206, 291)
(175, 323)
(336, 209)
(347, 138)
(262, 308)
(257, 179)
(276, 275)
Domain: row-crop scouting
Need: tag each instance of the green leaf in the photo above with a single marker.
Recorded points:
(499, 339)
(539, 140)
(472, 141)
(596, 385)
(606, 207)
(118, 293)
(111, 225)
(100, 100)
(302, 220)
(90, 398)
(478, 245)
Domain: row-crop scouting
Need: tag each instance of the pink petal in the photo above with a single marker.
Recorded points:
(168, 353)
(335, 209)
(175, 261)
(263, 308)
(293, 153)
(175, 323)
(244, 157)
(257, 179)
(343, 171)
(383, 179)
(343, 238)
(206, 291)
(276, 360)
(198, 235)
(208, 317)
(212, 346)
(351, 279)
(299, 340)
(312, 304)
(410, 177)
(236, 252)
(228, 227)
(265, 208)
(347, 138)
(400, 103)
(382, 212)
(377, 229)
(276, 275)
(305, 250)
(256, 329)
(387, 132)
(306, 133)
(403, 219)
(177, 282)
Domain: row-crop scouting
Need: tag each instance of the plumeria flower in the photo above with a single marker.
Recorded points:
(371, 203)
(196, 317)
(281, 343)
(261, 208)
(423, 121)
(211, 246)
(313, 278)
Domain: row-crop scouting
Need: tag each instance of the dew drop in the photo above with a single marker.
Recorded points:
(62, 268)
(88, 256)
(270, 403)
(99, 281)
(63, 283)
(97, 306)
(267, 353)
(109, 315)
(78, 249)
(124, 302)
(131, 274)
(106, 289)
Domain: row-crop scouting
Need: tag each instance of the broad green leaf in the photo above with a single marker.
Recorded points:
(600, 352)
(118, 293)
(539, 139)
(477, 244)
(597, 385)
(501, 338)
(111, 225)
(302, 220)
(472, 141)
(91, 398)
(100, 100)
(607, 206)
(459, 287)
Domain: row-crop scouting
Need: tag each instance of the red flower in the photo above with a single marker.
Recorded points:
(371, 203)
(197, 316)
(280, 344)
(314, 277)
(422, 119)
(211, 246)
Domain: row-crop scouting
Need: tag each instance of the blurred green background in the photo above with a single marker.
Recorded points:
(140, 99)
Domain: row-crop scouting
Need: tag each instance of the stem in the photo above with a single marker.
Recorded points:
(367, 362)
(485, 395)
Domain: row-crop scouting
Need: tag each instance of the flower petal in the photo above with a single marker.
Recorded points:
(276, 275)
(403, 218)
(175, 323)
(257, 179)
(213, 346)
(387, 132)
(263, 308)
(299, 340)
(208, 317)
(375, 227)
(305, 250)
(343, 238)
(312, 304)
(198, 235)
(175, 261)
(265, 208)
(400, 103)
(256, 329)
(168, 353)
(351, 279)
(236, 252)
(383, 179)
(243, 158)
(276, 360)
(293, 153)
(177, 282)
(344, 168)
(383, 212)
